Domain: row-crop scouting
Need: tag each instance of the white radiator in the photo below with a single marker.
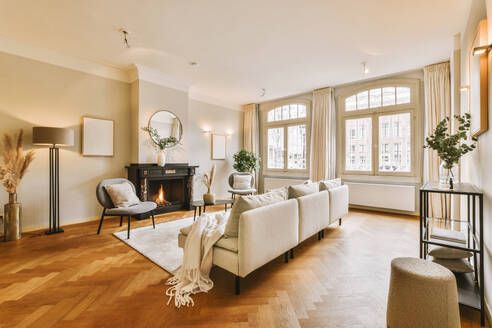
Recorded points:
(395, 197)
(273, 183)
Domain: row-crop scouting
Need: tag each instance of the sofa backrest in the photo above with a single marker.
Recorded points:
(314, 214)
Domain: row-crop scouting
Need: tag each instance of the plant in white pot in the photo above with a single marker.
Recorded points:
(12, 170)
(208, 180)
(450, 147)
(161, 143)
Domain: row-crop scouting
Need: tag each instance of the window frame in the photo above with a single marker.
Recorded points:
(374, 113)
(285, 124)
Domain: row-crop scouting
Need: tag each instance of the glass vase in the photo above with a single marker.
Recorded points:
(447, 177)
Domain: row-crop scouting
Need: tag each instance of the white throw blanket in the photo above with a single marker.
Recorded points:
(193, 276)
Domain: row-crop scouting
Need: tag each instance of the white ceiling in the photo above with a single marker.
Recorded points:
(284, 46)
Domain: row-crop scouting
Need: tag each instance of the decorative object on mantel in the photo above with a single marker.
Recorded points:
(450, 147)
(53, 137)
(13, 169)
(165, 130)
(245, 161)
(97, 137)
(208, 180)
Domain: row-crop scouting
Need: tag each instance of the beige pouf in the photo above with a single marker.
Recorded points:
(421, 294)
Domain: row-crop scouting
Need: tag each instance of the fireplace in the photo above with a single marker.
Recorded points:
(170, 187)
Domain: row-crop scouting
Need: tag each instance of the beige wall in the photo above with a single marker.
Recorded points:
(34, 93)
(476, 166)
(200, 116)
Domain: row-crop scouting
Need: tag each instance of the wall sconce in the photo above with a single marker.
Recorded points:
(229, 132)
(481, 50)
(206, 131)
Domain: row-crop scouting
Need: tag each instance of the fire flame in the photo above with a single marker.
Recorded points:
(160, 198)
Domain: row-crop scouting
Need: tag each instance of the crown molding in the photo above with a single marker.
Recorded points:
(55, 58)
(148, 74)
(213, 101)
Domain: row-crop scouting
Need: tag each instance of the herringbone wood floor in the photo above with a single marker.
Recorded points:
(80, 279)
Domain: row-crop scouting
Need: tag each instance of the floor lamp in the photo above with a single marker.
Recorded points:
(54, 137)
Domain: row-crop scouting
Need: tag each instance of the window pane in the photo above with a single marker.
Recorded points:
(285, 112)
(271, 116)
(278, 114)
(296, 146)
(302, 110)
(388, 96)
(350, 103)
(395, 143)
(375, 98)
(275, 148)
(363, 100)
(402, 95)
(358, 141)
(293, 111)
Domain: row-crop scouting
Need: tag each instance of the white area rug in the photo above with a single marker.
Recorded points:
(159, 245)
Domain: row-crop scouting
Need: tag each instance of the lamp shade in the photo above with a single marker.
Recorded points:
(42, 135)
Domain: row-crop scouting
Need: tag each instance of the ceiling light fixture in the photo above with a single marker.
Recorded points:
(481, 50)
(263, 92)
(125, 37)
(365, 69)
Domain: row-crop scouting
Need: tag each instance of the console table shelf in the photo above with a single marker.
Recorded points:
(470, 285)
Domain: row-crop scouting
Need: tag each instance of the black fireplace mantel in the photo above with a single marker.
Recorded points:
(178, 176)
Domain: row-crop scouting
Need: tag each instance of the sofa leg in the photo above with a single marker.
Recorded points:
(323, 233)
(319, 235)
(292, 253)
(101, 222)
(340, 221)
(237, 284)
(286, 257)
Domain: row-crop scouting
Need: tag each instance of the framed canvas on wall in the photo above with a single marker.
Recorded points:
(478, 82)
(97, 137)
(218, 146)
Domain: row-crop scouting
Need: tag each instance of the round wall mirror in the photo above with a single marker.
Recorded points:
(164, 125)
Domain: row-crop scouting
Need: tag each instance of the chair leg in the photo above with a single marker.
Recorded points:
(292, 253)
(101, 222)
(237, 284)
(129, 216)
(319, 235)
(153, 220)
(121, 220)
(323, 233)
(286, 257)
(340, 221)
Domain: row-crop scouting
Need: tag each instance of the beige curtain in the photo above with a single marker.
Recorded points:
(323, 135)
(437, 87)
(250, 128)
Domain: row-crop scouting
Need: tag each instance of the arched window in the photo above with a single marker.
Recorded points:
(378, 125)
(286, 132)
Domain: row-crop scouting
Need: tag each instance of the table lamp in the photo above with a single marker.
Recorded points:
(54, 137)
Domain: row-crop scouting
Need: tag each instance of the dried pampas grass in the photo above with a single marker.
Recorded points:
(209, 179)
(15, 163)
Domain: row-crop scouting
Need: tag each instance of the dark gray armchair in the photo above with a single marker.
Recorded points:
(242, 192)
(110, 210)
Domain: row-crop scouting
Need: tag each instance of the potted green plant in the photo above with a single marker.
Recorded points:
(161, 143)
(245, 161)
(12, 170)
(450, 147)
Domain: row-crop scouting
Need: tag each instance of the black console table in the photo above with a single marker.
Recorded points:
(470, 285)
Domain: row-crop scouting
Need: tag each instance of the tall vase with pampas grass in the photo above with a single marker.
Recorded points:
(12, 170)
(208, 179)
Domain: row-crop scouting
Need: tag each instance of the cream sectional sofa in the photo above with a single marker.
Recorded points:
(270, 231)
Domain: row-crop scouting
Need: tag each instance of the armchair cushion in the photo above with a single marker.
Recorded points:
(242, 182)
(122, 194)
(140, 208)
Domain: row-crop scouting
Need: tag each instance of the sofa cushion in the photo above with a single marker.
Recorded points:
(330, 184)
(449, 253)
(304, 189)
(242, 182)
(140, 208)
(231, 244)
(122, 194)
(246, 203)
(284, 191)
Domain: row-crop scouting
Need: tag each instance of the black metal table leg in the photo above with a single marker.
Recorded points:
(194, 215)
(482, 283)
(421, 230)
